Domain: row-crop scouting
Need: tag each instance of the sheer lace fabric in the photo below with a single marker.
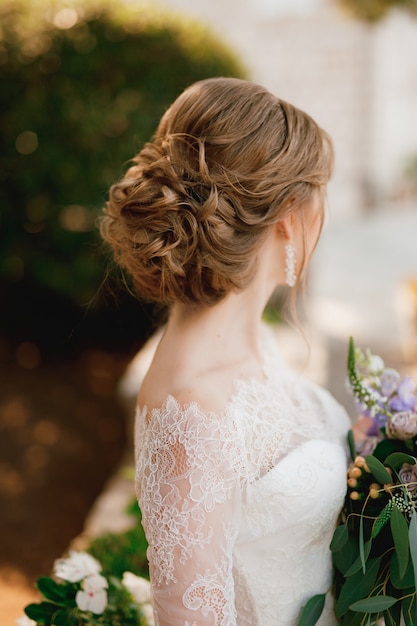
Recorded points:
(239, 508)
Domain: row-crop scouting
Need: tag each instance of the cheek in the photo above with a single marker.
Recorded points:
(312, 235)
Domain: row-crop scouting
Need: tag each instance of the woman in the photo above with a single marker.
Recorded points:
(240, 462)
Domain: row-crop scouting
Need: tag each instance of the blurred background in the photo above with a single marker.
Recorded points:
(82, 86)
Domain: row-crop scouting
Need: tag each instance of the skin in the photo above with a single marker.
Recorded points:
(208, 348)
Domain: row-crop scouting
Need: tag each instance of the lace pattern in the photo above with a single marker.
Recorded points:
(188, 466)
(231, 502)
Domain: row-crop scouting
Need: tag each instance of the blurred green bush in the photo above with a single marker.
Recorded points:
(83, 85)
(376, 10)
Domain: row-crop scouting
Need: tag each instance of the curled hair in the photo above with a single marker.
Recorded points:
(227, 162)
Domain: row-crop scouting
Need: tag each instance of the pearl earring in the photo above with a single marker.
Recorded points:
(290, 264)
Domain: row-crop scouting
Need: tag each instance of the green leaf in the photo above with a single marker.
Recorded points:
(392, 615)
(51, 589)
(401, 582)
(412, 534)
(358, 564)
(340, 537)
(351, 444)
(378, 470)
(387, 447)
(399, 528)
(344, 558)
(408, 609)
(397, 459)
(374, 604)
(362, 545)
(357, 587)
(65, 618)
(312, 610)
(41, 613)
(353, 619)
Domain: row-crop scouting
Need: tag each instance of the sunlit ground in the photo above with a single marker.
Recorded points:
(61, 437)
(15, 593)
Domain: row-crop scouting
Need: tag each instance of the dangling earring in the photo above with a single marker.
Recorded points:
(290, 264)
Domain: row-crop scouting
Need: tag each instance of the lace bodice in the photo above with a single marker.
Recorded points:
(239, 508)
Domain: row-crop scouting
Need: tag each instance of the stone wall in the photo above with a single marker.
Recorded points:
(358, 81)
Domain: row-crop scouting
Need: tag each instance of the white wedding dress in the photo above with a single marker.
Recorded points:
(239, 509)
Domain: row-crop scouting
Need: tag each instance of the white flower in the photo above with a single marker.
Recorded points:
(375, 364)
(76, 567)
(25, 621)
(147, 612)
(93, 597)
(139, 587)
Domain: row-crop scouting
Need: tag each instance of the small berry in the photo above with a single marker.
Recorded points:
(360, 461)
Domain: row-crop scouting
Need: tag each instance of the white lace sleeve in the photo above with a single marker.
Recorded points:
(188, 482)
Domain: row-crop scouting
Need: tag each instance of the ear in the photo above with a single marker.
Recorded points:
(284, 229)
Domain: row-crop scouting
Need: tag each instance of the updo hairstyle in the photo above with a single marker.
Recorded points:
(227, 162)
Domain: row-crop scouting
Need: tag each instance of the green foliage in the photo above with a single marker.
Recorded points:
(84, 84)
(116, 554)
(312, 610)
(375, 10)
(121, 552)
(374, 548)
(120, 609)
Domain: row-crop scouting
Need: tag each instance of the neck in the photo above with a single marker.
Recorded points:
(233, 326)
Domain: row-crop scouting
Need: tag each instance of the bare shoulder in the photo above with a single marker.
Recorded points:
(211, 391)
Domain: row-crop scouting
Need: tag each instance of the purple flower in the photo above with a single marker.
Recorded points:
(368, 445)
(389, 381)
(406, 399)
(378, 422)
(402, 425)
(408, 476)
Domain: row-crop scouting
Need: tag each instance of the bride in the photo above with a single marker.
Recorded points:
(240, 461)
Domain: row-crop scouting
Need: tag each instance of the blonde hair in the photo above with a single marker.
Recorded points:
(227, 162)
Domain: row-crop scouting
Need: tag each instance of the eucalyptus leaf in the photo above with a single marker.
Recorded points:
(412, 534)
(401, 582)
(362, 545)
(378, 470)
(399, 528)
(374, 604)
(392, 616)
(358, 563)
(340, 537)
(346, 556)
(352, 619)
(357, 587)
(312, 610)
(351, 444)
(397, 459)
(408, 609)
(388, 446)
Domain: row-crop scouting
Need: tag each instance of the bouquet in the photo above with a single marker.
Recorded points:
(79, 594)
(374, 547)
